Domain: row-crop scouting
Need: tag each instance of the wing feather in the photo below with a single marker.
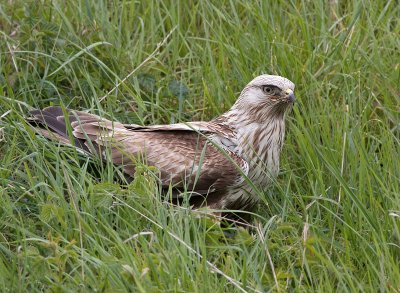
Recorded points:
(183, 154)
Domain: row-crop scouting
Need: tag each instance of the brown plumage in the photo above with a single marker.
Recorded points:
(208, 160)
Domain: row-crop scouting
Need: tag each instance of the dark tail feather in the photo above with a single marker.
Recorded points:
(53, 119)
(52, 123)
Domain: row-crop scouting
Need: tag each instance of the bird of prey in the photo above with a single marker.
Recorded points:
(219, 164)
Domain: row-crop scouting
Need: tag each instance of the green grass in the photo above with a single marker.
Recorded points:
(332, 221)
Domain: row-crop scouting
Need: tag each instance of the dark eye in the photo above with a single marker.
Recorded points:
(268, 89)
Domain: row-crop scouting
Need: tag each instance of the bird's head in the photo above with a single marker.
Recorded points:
(266, 96)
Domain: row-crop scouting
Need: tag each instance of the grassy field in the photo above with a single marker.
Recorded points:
(330, 223)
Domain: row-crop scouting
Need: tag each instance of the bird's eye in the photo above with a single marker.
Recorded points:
(268, 89)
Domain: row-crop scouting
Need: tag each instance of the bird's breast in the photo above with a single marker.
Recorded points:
(260, 145)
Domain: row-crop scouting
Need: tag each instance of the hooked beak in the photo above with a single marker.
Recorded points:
(290, 97)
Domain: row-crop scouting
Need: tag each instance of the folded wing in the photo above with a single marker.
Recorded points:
(183, 154)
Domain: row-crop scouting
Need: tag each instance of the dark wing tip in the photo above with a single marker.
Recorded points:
(53, 119)
(56, 111)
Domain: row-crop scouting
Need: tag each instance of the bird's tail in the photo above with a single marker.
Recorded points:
(59, 124)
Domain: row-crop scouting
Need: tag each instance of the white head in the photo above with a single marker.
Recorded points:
(266, 96)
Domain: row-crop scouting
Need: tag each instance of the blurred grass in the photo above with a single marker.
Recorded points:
(332, 222)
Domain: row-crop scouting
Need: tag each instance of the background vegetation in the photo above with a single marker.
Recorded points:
(332, 221)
